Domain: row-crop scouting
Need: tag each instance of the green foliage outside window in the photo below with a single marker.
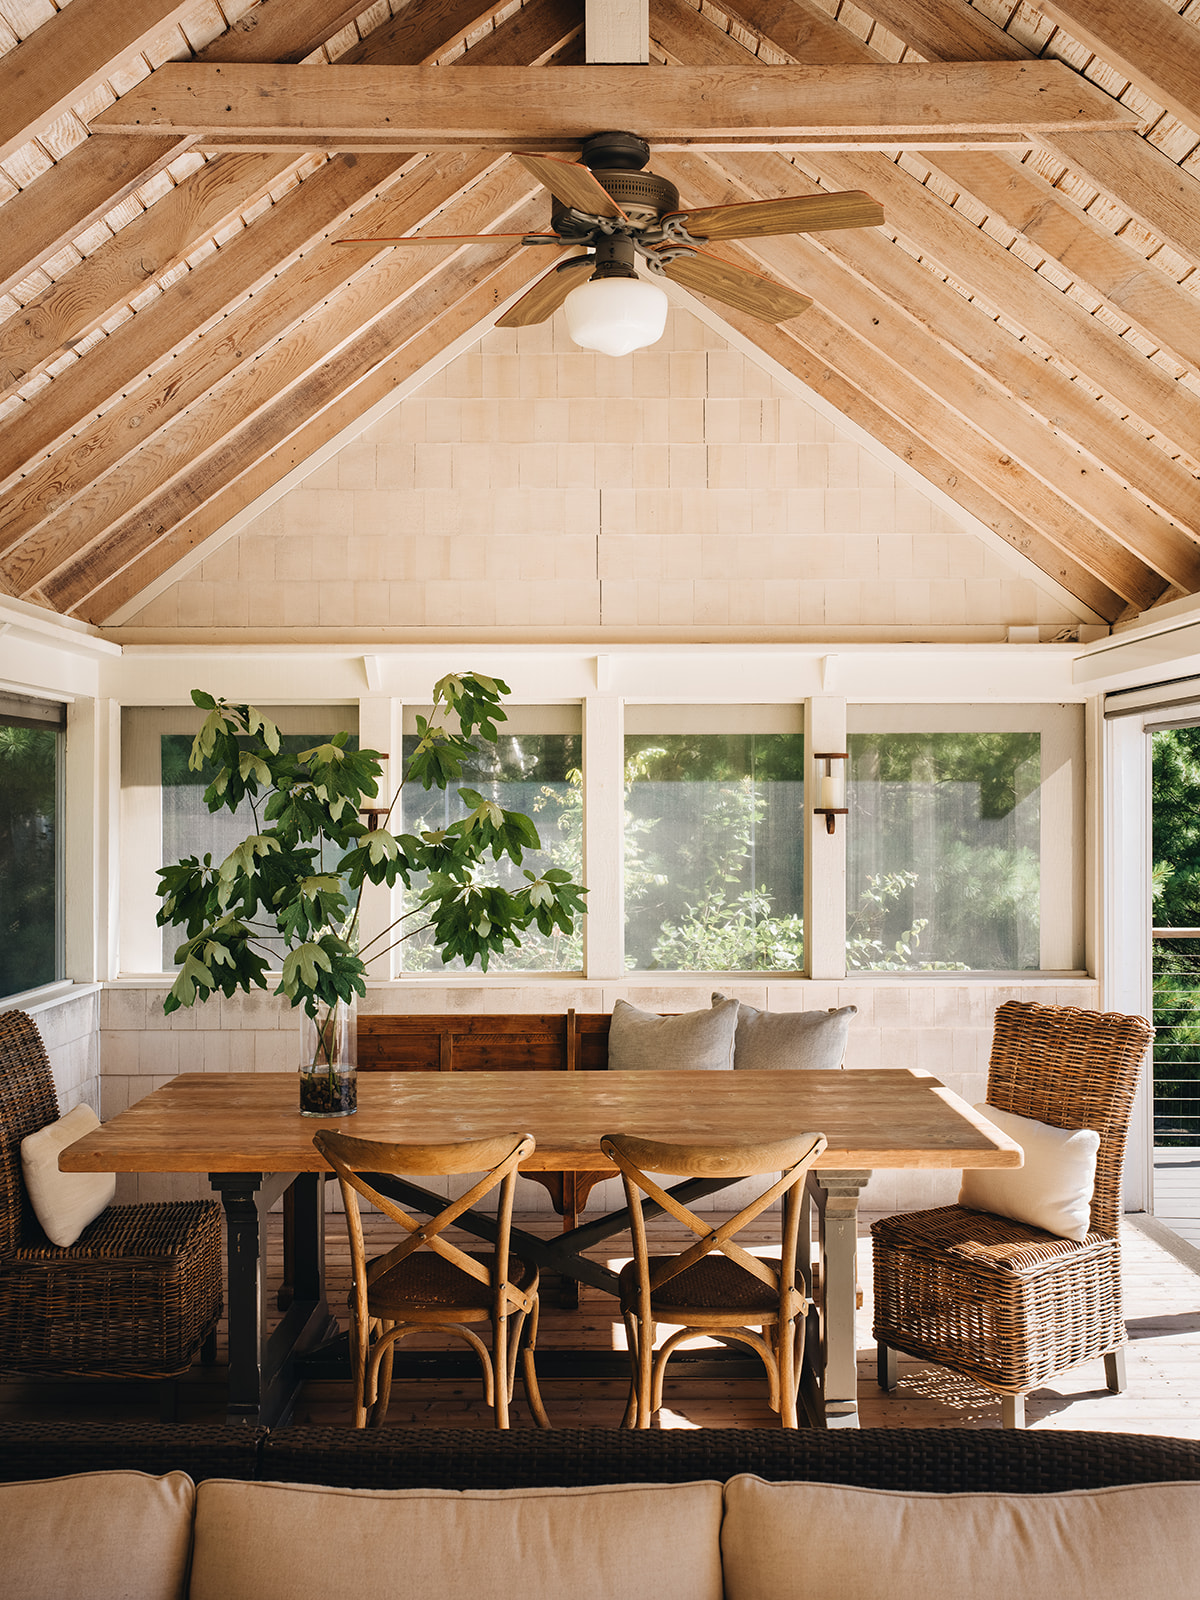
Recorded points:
(1175, 795)
(28, 857)
(943, 851)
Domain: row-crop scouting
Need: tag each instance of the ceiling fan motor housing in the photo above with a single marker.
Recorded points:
(642, 196)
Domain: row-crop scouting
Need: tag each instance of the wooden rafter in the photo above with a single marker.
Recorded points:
(508, 109)
(285, 432)
(1145, 39)
(1139, 177)
(60, 62)
(1087, 252)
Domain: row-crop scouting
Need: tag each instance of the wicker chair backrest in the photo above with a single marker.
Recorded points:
(1072, 1069)
(27, 1102)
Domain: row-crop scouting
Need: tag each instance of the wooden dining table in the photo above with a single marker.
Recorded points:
(245, 1131)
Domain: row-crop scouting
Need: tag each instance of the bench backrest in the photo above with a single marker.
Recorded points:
(559, 1041)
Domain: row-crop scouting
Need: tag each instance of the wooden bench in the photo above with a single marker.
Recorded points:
(559, 1041)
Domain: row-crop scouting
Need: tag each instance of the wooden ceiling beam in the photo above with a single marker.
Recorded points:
(77, 191)
(1137, 176)
(1089, 253)
(1059, 324)
(1072, 484)
(1162, 312)
(508, 108)
(1146, 40)
(69, 56)
(89, 181)
(285, 433)
(1120, 474)
(114, 462)
(221, 281)
(1035, 386)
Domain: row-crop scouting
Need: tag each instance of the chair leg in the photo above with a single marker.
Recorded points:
(1114, 1370)
(1012, 1410)
(886, 1367)
(383, 1385)
(208, 1350)
(500, 1371)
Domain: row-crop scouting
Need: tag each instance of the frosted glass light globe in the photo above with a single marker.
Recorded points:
(616, 315)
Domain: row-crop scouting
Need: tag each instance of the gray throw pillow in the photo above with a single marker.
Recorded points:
(695, 1041)
(792, 1040)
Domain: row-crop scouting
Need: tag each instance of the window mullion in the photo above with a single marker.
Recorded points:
(825, 857)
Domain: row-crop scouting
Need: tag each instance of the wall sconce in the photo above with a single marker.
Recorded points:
(832, 793)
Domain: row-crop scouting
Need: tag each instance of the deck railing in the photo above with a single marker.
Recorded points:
(1176, 970)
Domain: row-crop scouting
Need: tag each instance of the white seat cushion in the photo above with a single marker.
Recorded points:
(816, 1541)
(265, 1541)
(64, 1202)
(1053, 1190)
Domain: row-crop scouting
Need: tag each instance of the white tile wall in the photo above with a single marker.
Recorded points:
(520, 485)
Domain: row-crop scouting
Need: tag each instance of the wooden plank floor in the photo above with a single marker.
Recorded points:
(1162, 1308)
(1177, 1191)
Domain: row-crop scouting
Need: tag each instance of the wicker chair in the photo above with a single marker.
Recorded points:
(714, 1286)
(996, 1300)
(425, 1281)
(139, 1292)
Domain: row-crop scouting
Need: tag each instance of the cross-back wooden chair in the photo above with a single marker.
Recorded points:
(714, 1285)
(1001, 1301)
(427, 1282)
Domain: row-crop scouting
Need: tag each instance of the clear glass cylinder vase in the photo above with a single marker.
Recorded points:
(329, 1061)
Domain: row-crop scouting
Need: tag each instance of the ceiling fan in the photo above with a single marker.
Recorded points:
(606, 205)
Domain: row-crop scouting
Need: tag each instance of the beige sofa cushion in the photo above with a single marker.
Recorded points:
(103, 1535)
(811, 1541)
(265, 1541)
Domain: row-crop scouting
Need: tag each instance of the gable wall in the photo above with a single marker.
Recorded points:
(536, 488)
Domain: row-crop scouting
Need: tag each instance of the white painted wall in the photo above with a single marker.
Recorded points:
(535, 490)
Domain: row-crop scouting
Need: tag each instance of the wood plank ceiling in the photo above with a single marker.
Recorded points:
(179, 329)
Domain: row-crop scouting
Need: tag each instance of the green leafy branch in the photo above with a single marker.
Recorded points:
(276, 881)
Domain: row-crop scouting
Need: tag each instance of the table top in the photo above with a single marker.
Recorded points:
(250, 1122)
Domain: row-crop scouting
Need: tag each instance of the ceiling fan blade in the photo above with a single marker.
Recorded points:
(459, 238)
(798, 213)
(548, 293)
(735, 286)
(573, 184)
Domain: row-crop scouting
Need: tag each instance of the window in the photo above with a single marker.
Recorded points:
(535, 767)
(164, 817)
(952, 860)
(31, 738)
(714, 838)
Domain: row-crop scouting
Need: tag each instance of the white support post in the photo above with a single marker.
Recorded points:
(825, 857)
(92, 804)
(380, 728)
(617, 32)
(604, 836)
(1127, 925)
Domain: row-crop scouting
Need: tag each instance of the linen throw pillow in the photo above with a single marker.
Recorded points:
(1053, 1190)
(789, 1040)
(642, 1041)
(64, 1202)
